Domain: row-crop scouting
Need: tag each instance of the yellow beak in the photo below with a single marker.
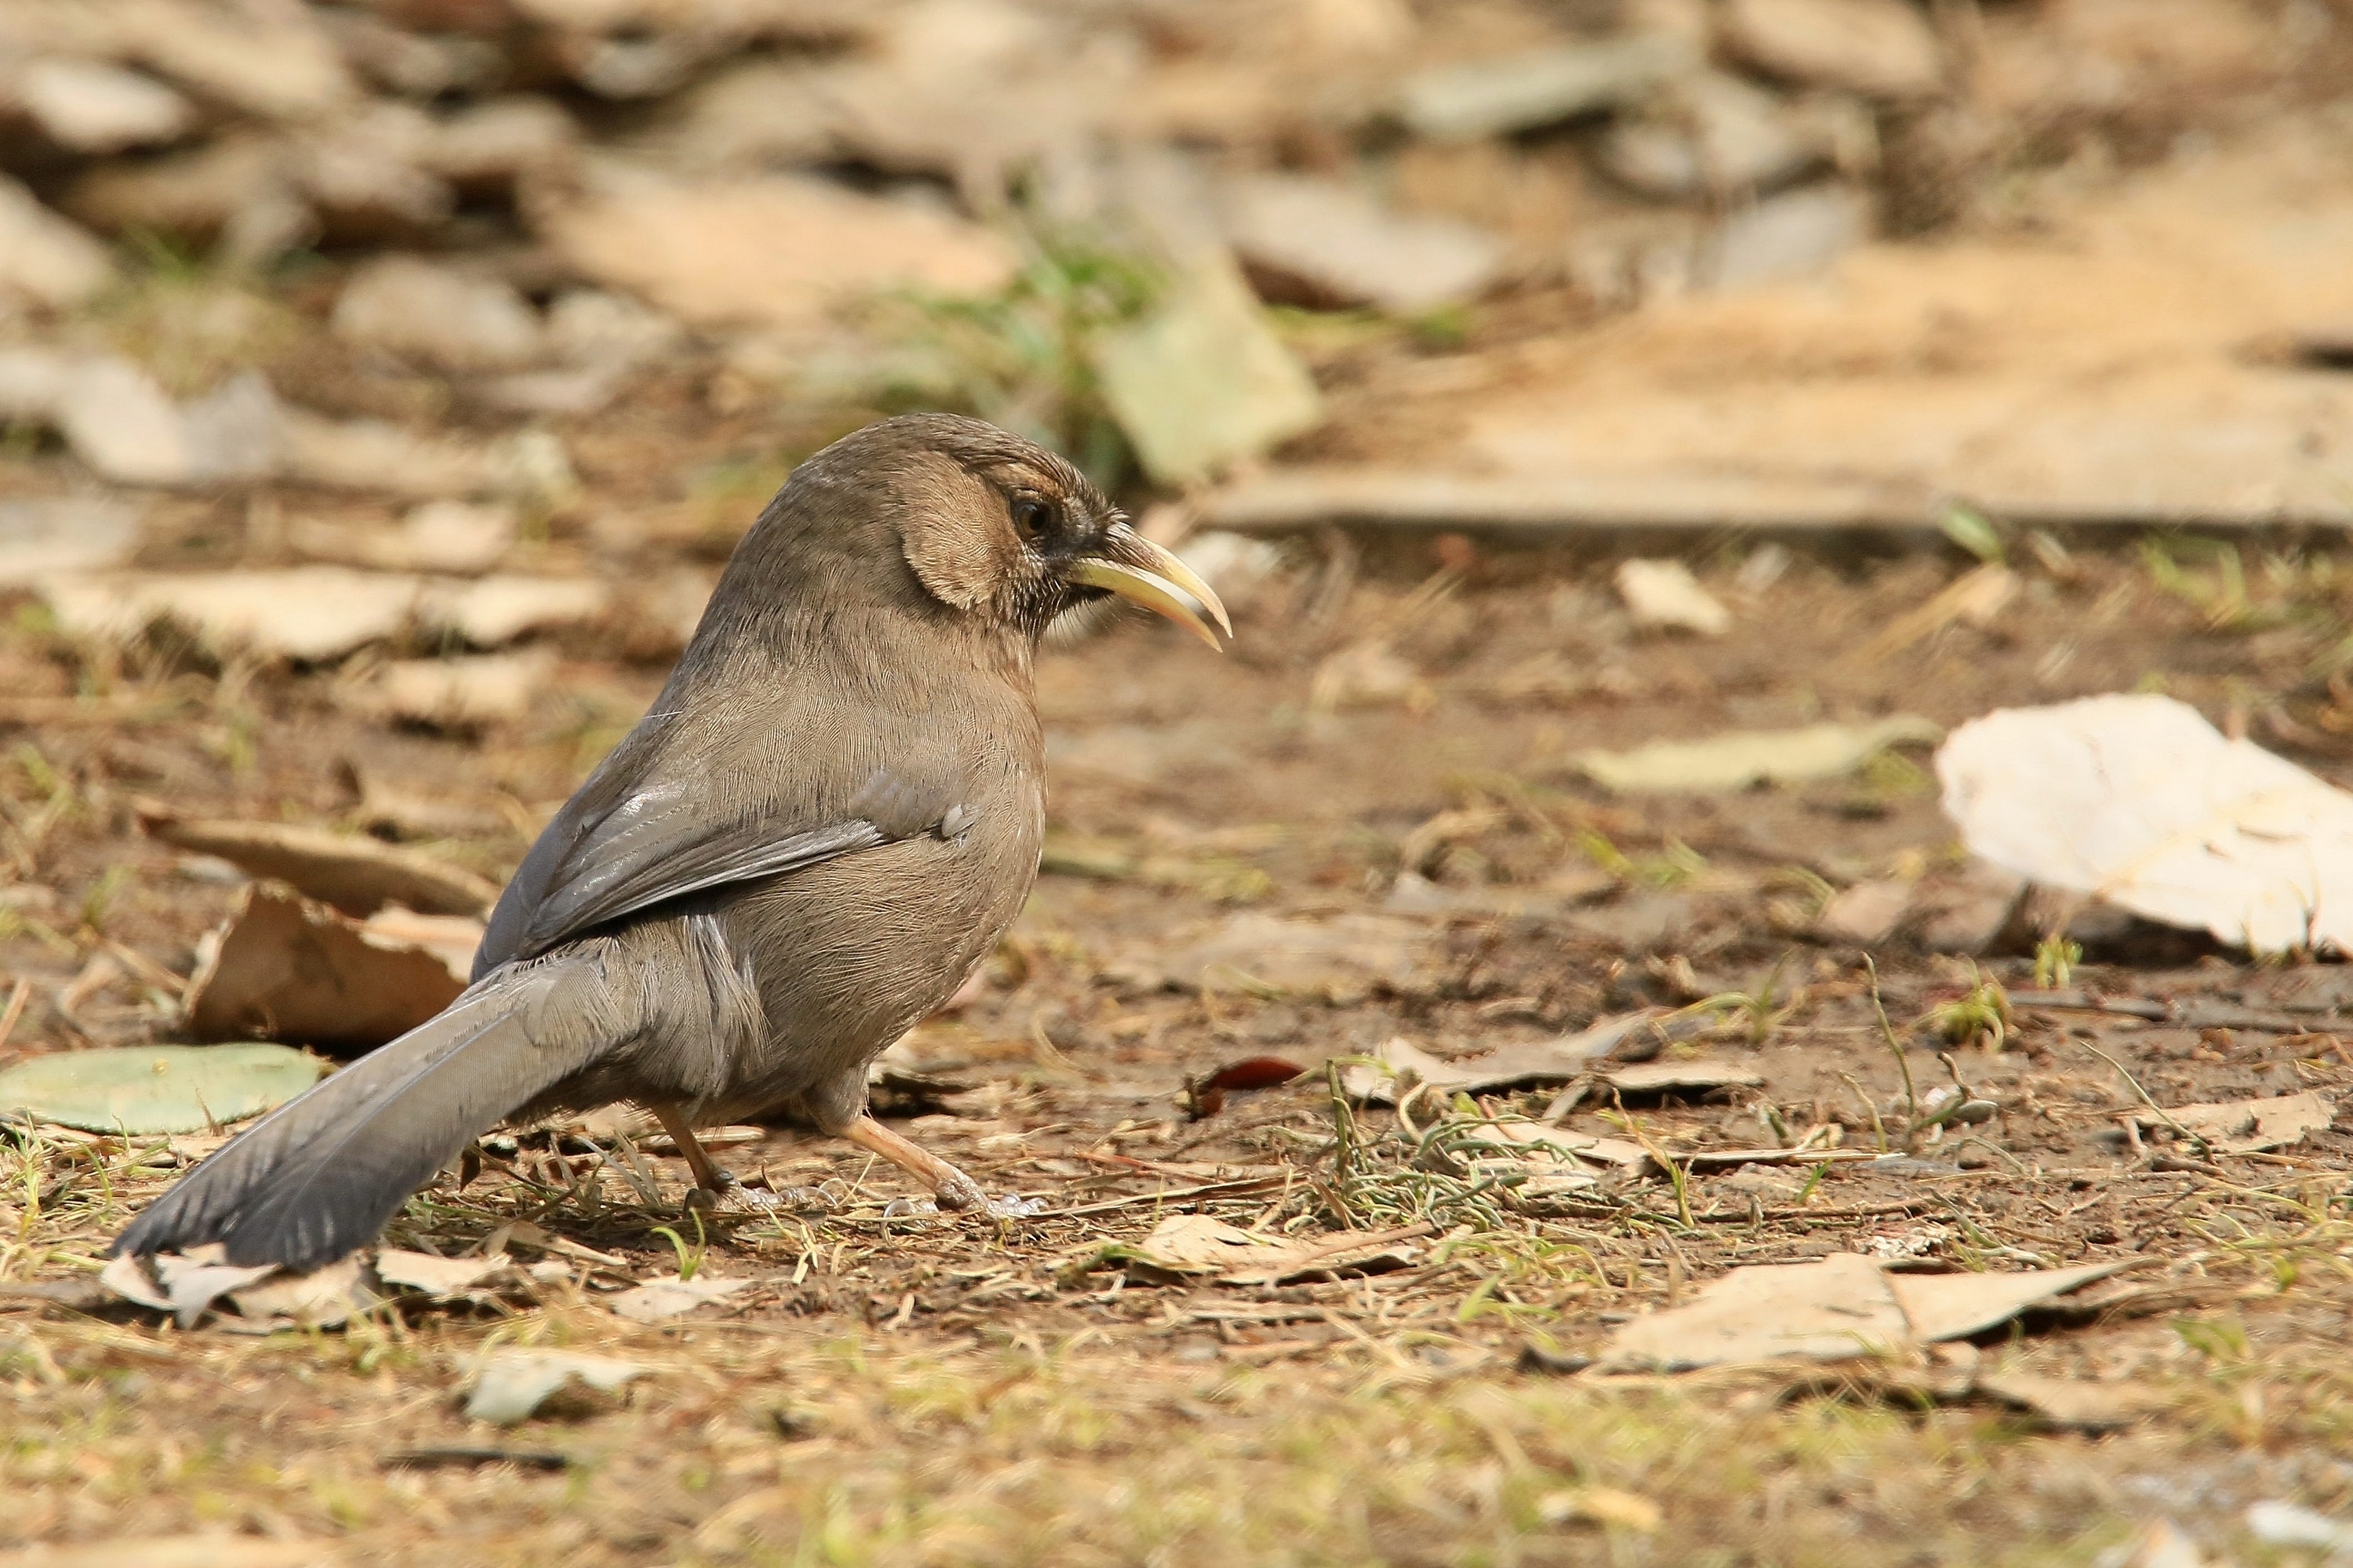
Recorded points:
(1154, 578)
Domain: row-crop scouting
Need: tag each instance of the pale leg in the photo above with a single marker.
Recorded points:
(950, 1186)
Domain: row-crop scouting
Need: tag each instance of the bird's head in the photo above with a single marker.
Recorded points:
(996, 527)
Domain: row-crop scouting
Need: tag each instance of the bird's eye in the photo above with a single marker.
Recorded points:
(1033, 518)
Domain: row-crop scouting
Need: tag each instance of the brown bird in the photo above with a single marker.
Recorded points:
(829, 817)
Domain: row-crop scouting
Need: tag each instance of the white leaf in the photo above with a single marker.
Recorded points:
(667, 1298)
(2139, 801)
(512, 1385)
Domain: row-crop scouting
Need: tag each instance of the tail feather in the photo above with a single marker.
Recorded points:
(320, 1176)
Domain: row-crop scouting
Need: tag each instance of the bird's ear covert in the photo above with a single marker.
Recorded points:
(955, 534)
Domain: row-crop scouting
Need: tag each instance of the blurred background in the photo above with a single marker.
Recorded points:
(572, 255)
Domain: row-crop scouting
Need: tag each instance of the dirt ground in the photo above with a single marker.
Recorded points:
(956, 1390)
(1387, 753)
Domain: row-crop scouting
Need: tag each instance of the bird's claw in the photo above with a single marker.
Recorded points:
(739, 1198)
(953, 1200)
(960, 1192)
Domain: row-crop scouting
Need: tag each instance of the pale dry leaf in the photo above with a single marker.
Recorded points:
(1976, 600)
(286, 966)
(1698, 1073)
(321, 1299)
(1542, 1061)
(1604, 1506)
(1742, 760)
(2247, 1126)
(667, 1298)
(127, 1277)
(1348, 1252)
(195, 1279)
(1200, 1245)
(2072, 1404)
(357, 874)
(459, 693)
(1844, 1305)
(1955, 1306)
(439, 1277)
(1535, 1144)
(781, 250)
(512, 1385)
(301, 613)
(1866, 913)
(2139, 801)
(1827, 1311)
(491, 611)
(1665, 595)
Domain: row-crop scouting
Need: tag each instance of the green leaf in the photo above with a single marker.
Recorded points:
(155, 1089)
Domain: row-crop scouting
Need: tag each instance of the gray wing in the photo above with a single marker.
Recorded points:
(617, 848)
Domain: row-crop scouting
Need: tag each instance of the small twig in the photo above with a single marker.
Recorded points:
(1896, 1048)
(1344, 1142)
(1878, 1128)
(2204, 1148)
(17, 997)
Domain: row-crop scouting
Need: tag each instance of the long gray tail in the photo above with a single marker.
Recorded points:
(320, 1176)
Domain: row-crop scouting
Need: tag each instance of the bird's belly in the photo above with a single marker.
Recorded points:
(849, 954)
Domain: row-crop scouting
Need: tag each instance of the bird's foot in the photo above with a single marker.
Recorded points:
(952, 1192)
(957, 1193)
(1012, 1205)
(734, 1197)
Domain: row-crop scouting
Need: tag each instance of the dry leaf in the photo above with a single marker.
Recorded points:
(1340, 960)
(459, 693)
(1604, 1506)
(440, 1277)
(1699, 1073)
(2071, 1404)
(1740, 760)
(357, 874)
(1828, 1310)
(182, 1284)
(439, 536)
(321, 1299)
(1976, 598)
(1664, 595)
(667, 1298)
(307, 613)
(1955, 1306)
(2139, 801)
(1198, 1245)
(286, 967)
(1846, 1305)
(1866, 913)
(512, 1385)
(776, 249)
(496, 610)
(1547, 1160)
(2245, 1126)
(1544, 1061)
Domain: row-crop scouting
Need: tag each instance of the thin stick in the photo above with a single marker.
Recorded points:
(1887, 1033)
(22, 994)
